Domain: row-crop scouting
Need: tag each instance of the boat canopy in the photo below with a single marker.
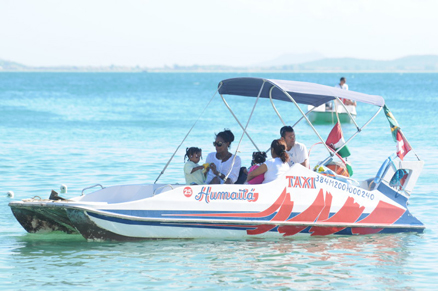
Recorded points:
(301, 92)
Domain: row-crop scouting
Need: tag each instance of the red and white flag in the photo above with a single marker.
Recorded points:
(335, 140)
(403, 146)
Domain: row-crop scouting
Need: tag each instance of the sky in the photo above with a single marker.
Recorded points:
(210, 32)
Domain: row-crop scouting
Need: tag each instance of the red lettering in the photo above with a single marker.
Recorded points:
(290, 180)
(255, 197)
(297, 182)
(306, 183)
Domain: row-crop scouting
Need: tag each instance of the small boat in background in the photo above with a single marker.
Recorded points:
(329, 113)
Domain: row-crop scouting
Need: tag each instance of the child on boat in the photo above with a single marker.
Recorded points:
(258, 158)
(275, 167)
(193, 172)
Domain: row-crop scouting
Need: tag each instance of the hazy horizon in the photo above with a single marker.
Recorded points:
(284, 60)
(195, 32)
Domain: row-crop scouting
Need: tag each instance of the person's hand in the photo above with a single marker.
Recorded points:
(213, 168)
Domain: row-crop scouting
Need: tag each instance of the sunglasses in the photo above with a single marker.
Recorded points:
(217, 143)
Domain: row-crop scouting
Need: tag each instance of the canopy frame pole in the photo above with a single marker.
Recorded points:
(359, 129)
(308, 121)
(348, 112)
(273, 106)
(235, 117)
(244, 131)
(301, 118)
(174, 153)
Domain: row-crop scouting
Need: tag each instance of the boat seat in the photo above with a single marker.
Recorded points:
(382, 172)
(243, 174)
(401, 176)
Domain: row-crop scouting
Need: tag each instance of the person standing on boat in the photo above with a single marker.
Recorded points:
(297, 151)
(343, 85)
(273, 168)
(222, 161)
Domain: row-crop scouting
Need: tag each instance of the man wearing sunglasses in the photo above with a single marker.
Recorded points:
(296, 150)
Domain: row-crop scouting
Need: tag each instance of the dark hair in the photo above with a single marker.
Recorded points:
(191, 151)
(258, 158)
(279, 148)
(286, 128)
(342, 79)
(226, 135)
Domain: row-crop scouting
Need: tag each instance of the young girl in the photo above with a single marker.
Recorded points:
(194, 173)
(258, 158)
(275, 167)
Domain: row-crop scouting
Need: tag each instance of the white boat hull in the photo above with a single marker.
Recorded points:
(301, 203)
(323, 115)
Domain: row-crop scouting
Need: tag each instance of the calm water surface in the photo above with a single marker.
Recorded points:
(83, 129)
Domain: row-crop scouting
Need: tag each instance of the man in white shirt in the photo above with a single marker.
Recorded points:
(297, 151)
(343, 85)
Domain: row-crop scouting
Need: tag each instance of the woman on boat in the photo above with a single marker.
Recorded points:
(275, 167)
(222, 161)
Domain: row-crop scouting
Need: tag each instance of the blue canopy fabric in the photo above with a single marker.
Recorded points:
(301, 92)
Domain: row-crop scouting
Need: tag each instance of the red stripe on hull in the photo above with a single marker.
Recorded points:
(282, 214)
(349, 213)
(327, 205)
(383, 213)
(308, 215)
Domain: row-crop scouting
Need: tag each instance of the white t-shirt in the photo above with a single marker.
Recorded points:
(196, 177)
(344, 87)
(223, 168)
(297, 154)
(276, 168)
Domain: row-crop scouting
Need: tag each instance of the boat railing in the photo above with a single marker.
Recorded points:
(167, 185)
(86, 188)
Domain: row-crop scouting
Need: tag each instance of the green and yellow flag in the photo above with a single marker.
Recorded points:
(392, 123)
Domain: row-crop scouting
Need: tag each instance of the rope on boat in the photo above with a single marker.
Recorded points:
(202, 113)
(244, 131)
(34, 198)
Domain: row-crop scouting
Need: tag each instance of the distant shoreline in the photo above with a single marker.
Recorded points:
(409, 64)
(238, 72)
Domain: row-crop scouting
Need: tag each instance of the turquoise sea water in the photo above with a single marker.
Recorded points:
(82, 129)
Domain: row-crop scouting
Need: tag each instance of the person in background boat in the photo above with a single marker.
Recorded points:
(343, 85)
(297, 151)
(258, 158)
(222, 161)
(275, 167)
(193, 172)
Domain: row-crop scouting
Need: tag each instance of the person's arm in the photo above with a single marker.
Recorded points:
(210, 171)
(260, 170)
(188, 168)
(349, 102)
(306, 163)
(234, 175)
(196, 169)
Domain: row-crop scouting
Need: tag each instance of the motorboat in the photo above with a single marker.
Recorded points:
(331, 113)
(311, 202)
